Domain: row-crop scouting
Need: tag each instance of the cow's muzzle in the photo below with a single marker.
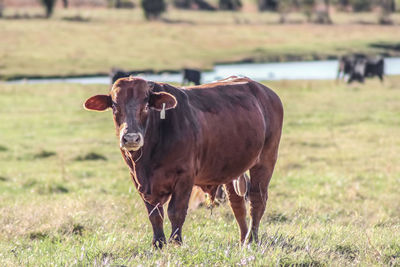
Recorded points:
(131, 141)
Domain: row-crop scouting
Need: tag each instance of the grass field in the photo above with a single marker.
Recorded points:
(66, 197)
(121, 38)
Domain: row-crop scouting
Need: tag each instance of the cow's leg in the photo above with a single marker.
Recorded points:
(260, 176)
(350, 80)
(177, 210)
(238, 206)
(156, 216)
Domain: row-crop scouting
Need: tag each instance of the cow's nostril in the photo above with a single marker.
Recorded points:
(131, 138)
(137, 139)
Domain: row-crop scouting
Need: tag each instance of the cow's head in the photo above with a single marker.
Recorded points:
(131, 100)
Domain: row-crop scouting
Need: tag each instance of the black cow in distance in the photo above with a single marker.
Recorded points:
(191, 75)
(358, 67)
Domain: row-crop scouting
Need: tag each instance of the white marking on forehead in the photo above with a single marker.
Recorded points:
(122, 130)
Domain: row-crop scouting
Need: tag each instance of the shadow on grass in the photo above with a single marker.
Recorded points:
(57, 189)
(347, 251)
(288, 262)
(44, 154)
(177, 21)
(67, 229)
(76, 18)
(394, 46)
(277, 218)
(91, 156)
(3, 148)
(38, 236)
(72, 229)
(45, 188)
(24, 16)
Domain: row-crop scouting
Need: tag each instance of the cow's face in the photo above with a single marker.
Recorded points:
(131, 100)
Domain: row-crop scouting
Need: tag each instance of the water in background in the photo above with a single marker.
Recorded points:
(301, 70)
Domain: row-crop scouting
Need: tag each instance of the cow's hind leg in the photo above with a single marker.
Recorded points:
(177, 210)
(260, 176)
(156, 216)
(238, 206)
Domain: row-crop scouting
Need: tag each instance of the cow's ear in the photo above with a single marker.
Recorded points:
(98, 102)
(157, 100)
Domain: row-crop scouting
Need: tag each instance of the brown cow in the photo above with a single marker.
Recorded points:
(173, 138)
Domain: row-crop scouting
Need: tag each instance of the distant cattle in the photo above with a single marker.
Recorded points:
(174, 138)
(191, 75)
(116, 74)
(358, 67)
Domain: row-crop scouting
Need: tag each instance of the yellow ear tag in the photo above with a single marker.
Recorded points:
(162, 113)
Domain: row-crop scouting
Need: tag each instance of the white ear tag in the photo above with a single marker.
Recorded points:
(162, 113)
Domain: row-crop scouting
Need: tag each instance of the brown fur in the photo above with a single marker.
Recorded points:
(212, 134)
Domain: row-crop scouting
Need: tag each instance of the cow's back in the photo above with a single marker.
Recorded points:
(237, 116)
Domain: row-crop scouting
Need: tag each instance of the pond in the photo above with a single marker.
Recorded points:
(301, 70)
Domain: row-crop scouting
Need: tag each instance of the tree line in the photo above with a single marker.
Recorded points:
(315, 10)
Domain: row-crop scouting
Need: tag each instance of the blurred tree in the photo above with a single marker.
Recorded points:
(307, 7)
(342, 5)
(204, 5)
(386, 7)
(120, 3)
(284, 7)
(230, 4)
(311, 8)
(267, 5)
(323, 16)
(1, 8)
(184, 4)
(361, 5)
(49, 5)
(153, 8)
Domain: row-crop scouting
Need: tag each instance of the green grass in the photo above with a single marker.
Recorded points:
(334, 197)
(121, 38)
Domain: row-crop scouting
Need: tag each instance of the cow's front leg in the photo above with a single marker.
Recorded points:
(177, 210)
(156, 216)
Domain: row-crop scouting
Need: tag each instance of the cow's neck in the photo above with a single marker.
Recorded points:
(129, 158)
(162, 135)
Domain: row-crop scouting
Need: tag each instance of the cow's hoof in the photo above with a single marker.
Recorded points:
(159, 243)
(176, 240)
(251, 237)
